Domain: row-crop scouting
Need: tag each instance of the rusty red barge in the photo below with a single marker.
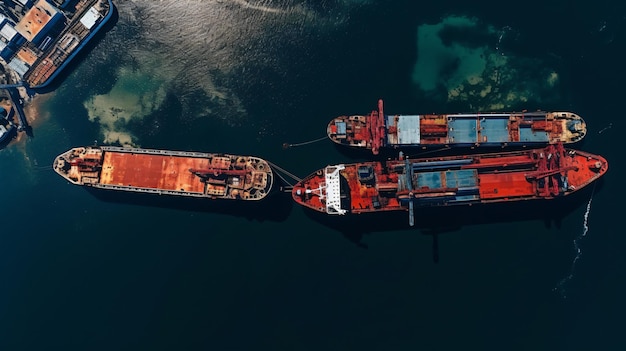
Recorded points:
(403, 184)
(180, 173)
(532, 129)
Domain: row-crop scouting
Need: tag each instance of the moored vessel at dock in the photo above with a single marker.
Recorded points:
(534, 129)
(7, 127)
(406, 184)
(88, 17)
(180, 173)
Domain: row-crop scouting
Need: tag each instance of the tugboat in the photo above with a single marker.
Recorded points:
(7, 127)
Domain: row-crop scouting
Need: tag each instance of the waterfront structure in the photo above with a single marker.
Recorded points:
(38, 22)
(47, 35)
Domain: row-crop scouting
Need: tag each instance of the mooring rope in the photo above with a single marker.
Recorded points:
(287, 145)
(284, 180)
(42, 168)
(429, 152)
(285, 172)
(605, 128)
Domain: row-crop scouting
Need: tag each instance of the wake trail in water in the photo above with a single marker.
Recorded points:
(501, 37)
(246, 4)
(561, 285)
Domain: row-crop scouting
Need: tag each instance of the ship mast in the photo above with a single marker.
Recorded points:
(408, 172)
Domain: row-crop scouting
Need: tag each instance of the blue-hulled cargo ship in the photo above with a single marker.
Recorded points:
(378, 130)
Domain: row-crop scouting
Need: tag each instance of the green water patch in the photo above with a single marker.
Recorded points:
(135, 94)
(459, 61)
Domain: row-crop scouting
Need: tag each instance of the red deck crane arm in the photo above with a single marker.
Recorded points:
(377, 127)
(543, 174)
(207, 172)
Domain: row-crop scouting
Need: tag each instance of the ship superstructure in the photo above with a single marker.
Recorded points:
(405, 184)
(533, 129)
(191, 174)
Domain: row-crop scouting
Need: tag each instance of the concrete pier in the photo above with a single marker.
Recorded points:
(18, 106)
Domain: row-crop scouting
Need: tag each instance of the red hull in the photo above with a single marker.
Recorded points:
(452, 180)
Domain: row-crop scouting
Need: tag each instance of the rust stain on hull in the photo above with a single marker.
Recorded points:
(152, 171)
(491, 129)
(543, 173)
(180, 173)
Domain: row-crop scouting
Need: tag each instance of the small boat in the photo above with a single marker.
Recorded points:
(7, 128)
(491, 129)
(164, 172)
(404, 184)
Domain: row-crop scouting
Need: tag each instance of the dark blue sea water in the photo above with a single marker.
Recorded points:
(85, 271)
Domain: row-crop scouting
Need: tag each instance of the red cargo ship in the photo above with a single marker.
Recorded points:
(491, 129)
(164, 172)
(403, 184)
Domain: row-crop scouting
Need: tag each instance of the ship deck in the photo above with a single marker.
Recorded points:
(377, 130)
(454, 180)
(152, 171)
(505, 185)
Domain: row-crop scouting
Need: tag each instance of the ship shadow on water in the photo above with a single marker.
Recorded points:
(434, 221)
(4, 143)
(354, 154)
(275, 207)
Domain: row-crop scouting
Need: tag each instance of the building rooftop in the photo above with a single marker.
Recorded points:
(27, 56)
(36, 19)
(7, 31)
(18, 66)
(90, 18)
